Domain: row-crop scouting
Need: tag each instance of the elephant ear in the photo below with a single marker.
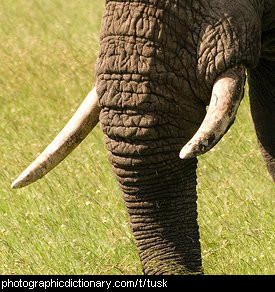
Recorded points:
(76, 130)
(227, 93)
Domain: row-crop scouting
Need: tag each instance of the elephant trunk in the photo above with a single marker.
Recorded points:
(163, 218)
(159, 190)
(158, 187)
(146, 121)
(147, 88)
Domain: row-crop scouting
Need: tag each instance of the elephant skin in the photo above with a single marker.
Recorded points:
(156, 68)
(160, 64)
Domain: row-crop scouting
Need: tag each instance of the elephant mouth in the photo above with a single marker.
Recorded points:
(227, 93)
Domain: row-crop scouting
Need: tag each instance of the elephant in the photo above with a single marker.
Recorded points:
(161, 63)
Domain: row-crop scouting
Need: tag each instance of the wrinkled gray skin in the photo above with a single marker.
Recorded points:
(156, 68)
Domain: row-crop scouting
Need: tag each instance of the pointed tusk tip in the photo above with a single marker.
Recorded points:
(19, 183)
(15, 185)
(187, 151)
(186, 154)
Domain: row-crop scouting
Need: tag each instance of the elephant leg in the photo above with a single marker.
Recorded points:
(262, 100)
(161, 202)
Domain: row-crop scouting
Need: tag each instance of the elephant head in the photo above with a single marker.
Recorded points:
(161, 63)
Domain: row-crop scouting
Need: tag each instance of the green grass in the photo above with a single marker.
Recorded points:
(73, 221)
(236, 204)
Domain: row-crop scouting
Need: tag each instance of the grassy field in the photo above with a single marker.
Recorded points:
(73, 221)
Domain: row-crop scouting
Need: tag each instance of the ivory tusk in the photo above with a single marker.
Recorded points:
(227, 94)
(76, 130)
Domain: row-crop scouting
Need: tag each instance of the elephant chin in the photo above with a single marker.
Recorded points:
(227, 93)
(76, 130)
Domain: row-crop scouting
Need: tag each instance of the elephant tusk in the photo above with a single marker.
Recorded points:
(227, 94)
(76, 130)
